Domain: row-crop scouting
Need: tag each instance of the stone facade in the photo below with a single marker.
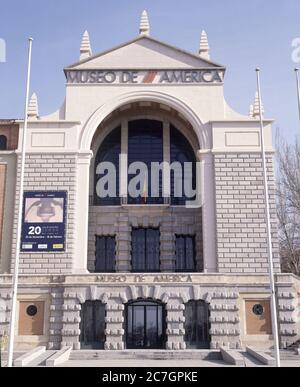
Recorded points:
(241, 222)
(49, 172)
(120, 221)
(229, 224)
(224, 295)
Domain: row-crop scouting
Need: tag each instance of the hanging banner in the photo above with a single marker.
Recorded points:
(44, 222)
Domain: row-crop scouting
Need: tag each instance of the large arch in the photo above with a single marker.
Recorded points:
(85, 143)
(105, 110)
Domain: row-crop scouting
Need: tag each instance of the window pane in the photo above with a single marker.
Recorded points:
(190, 253)
(129, 326)
(145, 144)
(100, 254)
(110, 254)
(185, 253)
(153, 250)
(139, 326)
(145, 250)
(105, 254)
(138, 250)
(109, 151)
(180, 253)
(182, 152)
(99, 321)
(151, 329)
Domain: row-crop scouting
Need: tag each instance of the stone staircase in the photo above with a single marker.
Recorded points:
(148, 355)
(289, 355)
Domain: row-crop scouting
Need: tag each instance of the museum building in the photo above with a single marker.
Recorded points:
(124, 272)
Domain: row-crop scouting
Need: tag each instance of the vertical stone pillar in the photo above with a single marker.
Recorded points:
(82, 213)
(167, 247)
(71, 320)
(288, 317)
(225, 320)
(114, 325)
(5, 312)
(167, 159)
(123, 256)
(56, 318)
(175, 325)
(209, 212)
(124, 163)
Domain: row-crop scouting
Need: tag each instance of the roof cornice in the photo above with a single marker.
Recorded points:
(145, 37)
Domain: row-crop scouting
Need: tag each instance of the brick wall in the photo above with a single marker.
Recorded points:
(11, 132)
(47, 172)
(241, 226)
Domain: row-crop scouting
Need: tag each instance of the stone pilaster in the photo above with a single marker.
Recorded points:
(210, 264)
(167, 245)
(114, 325)
(175, 325)
(5, 312)
(123, 256)
(71, 320)
(56, 316)
(225, 320)
(288, 318)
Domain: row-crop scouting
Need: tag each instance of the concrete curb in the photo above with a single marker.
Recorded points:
(59, 357)
(261, 356)
(232, 357)
(28, 357)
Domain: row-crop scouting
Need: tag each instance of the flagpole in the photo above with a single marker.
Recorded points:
(298, 89)
(269, 232)
(20, 213)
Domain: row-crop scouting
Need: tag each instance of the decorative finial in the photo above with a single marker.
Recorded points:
(251, 111)
(256, 107)
(33, 108)
(85, 48)
(144, 25)
(204, 46)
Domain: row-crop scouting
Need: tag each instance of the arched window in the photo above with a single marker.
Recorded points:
(145, 144)
(145, 325)
(150, 142)
(109, 152)
(197, 325)
(92, 326)
(183, 153)
(3, 143)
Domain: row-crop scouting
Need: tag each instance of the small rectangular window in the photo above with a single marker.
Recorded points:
(105, 254)
(145, 250)
(185, 253)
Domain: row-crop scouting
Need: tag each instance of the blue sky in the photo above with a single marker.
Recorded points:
(242, 36)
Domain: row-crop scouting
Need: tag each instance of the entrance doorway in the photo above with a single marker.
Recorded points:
(145, 325)
(92, 325)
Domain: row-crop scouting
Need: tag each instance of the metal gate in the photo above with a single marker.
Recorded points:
(92, 325)
(197, 325)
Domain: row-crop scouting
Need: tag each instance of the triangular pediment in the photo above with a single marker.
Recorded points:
(144, 53)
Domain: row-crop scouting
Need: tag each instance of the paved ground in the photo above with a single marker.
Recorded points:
(166, 363)
(144, 363)
(289, 360)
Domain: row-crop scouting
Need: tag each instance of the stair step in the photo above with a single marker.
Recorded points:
(154, 355)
